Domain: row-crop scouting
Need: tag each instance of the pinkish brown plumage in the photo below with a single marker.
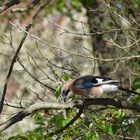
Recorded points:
(92, 86)
(89, 86)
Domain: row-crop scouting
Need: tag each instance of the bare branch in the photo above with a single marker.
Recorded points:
(17, 52)
(26, 112)
(78, 104)
(90, 34)
(37, 80)
(49, 45)
(113, 102)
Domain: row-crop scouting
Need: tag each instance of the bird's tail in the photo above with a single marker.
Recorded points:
(130, 91)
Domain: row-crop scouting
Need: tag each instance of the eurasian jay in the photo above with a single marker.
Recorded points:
(92, 86)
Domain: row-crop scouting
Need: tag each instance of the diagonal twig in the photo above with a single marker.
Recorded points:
(74, 119)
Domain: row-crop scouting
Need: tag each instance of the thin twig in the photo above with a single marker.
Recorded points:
(49, 45)
(17, 52)
(45, 85)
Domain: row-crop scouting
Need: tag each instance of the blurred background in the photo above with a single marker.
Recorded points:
(69, 39)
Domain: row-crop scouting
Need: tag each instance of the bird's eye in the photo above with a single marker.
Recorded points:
(94, 80)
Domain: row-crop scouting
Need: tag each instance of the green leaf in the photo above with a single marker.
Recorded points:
(38, 118)
(65, 77)
(1, 1)
(49, 9)
(35, 136)
(59, 121)
(114, 129)
(60, 5)
(110, 129)
(18, 137)
(95, 136)
(132, 129)
(138, 90)
(58, 91)
(76, 4)
(136, 84)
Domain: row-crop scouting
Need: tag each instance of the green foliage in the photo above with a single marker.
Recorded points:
(65, 77)
(136, 87)
(38, 118)
(58, 91)
(91, 126)
(76, 4)
(1, 1)
(89, 3)
(18, 137)
(34, 135)
(60, 5)
(136, 84)
(59, 121)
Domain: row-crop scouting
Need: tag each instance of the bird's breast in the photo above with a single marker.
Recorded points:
(96, 91)
(89, 92)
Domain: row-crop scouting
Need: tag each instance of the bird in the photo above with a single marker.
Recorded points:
(92, 86)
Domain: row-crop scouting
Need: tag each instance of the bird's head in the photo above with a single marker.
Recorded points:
(65, 90)
(64, 93)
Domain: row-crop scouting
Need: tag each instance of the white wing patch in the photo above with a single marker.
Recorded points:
(99, 80)
(109, 87)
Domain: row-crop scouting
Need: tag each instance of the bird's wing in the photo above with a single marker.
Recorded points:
(84, 85)
(85, 82)
(93, 81)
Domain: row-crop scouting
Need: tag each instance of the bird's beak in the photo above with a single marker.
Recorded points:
(64, 94)
(107, 82)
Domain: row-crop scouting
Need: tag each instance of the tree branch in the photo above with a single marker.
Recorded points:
(113, 102)
(35, 107)
(81, 104)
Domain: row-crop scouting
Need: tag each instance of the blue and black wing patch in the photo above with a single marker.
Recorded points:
(84, 85)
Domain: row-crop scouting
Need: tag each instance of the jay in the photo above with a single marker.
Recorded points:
(92, 86)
